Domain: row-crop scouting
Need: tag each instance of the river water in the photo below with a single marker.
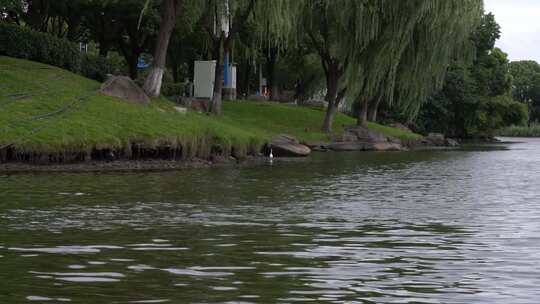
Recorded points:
(413, 227)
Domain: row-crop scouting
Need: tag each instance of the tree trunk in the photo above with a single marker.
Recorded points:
(215, 103)
(299, 91)
(237, 25)
(329, 117)
(374, 109)
(460, 130)
(341, 96)
(170, 10)
(247, 84)
(362, 114)
(271, 60)
(332, 77)
(331, 111)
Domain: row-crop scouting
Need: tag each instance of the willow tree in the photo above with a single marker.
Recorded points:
(226, 18)
(353, 36)
(272, 37)
(322, 29)
(407, 50)
(441, 38)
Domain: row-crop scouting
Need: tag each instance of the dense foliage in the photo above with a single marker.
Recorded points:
(526, 86)
(476, 99)
(24, 43)
(98, 67)
(431, 64)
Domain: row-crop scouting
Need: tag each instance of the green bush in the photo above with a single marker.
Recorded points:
(516, 114)
(174, 89)
(498, 112)
(19, 42)
(95, 67)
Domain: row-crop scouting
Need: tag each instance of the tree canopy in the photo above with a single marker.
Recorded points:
(476, 98)
(364, 54)
(526, 86)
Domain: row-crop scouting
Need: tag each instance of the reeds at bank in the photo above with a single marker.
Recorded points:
(521, 131)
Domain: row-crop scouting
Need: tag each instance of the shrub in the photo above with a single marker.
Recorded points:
(498, 112)
(95, 67)
(174, 89)
(516, 114)
(19, 42)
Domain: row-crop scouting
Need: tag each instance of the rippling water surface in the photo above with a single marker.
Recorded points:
(416, 227)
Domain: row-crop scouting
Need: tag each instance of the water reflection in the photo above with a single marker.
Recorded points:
(423, 227)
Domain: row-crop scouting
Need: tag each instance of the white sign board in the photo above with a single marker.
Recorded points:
(233, 77)
(203, 80)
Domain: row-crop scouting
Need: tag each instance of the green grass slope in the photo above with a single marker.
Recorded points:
(45, 109)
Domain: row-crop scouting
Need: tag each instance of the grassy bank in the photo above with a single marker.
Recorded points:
(48, 111)
(520, 131)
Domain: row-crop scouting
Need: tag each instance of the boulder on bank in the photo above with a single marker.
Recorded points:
(345, 146)
(451, 142)
(288, 146)
(318, 146)
(126, 89)
(436, 139)
(439, 140)
(358, 138)
(365, 146)
(363, 134)
(388, 146)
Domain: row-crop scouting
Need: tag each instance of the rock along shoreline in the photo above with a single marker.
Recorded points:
(284, 147)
